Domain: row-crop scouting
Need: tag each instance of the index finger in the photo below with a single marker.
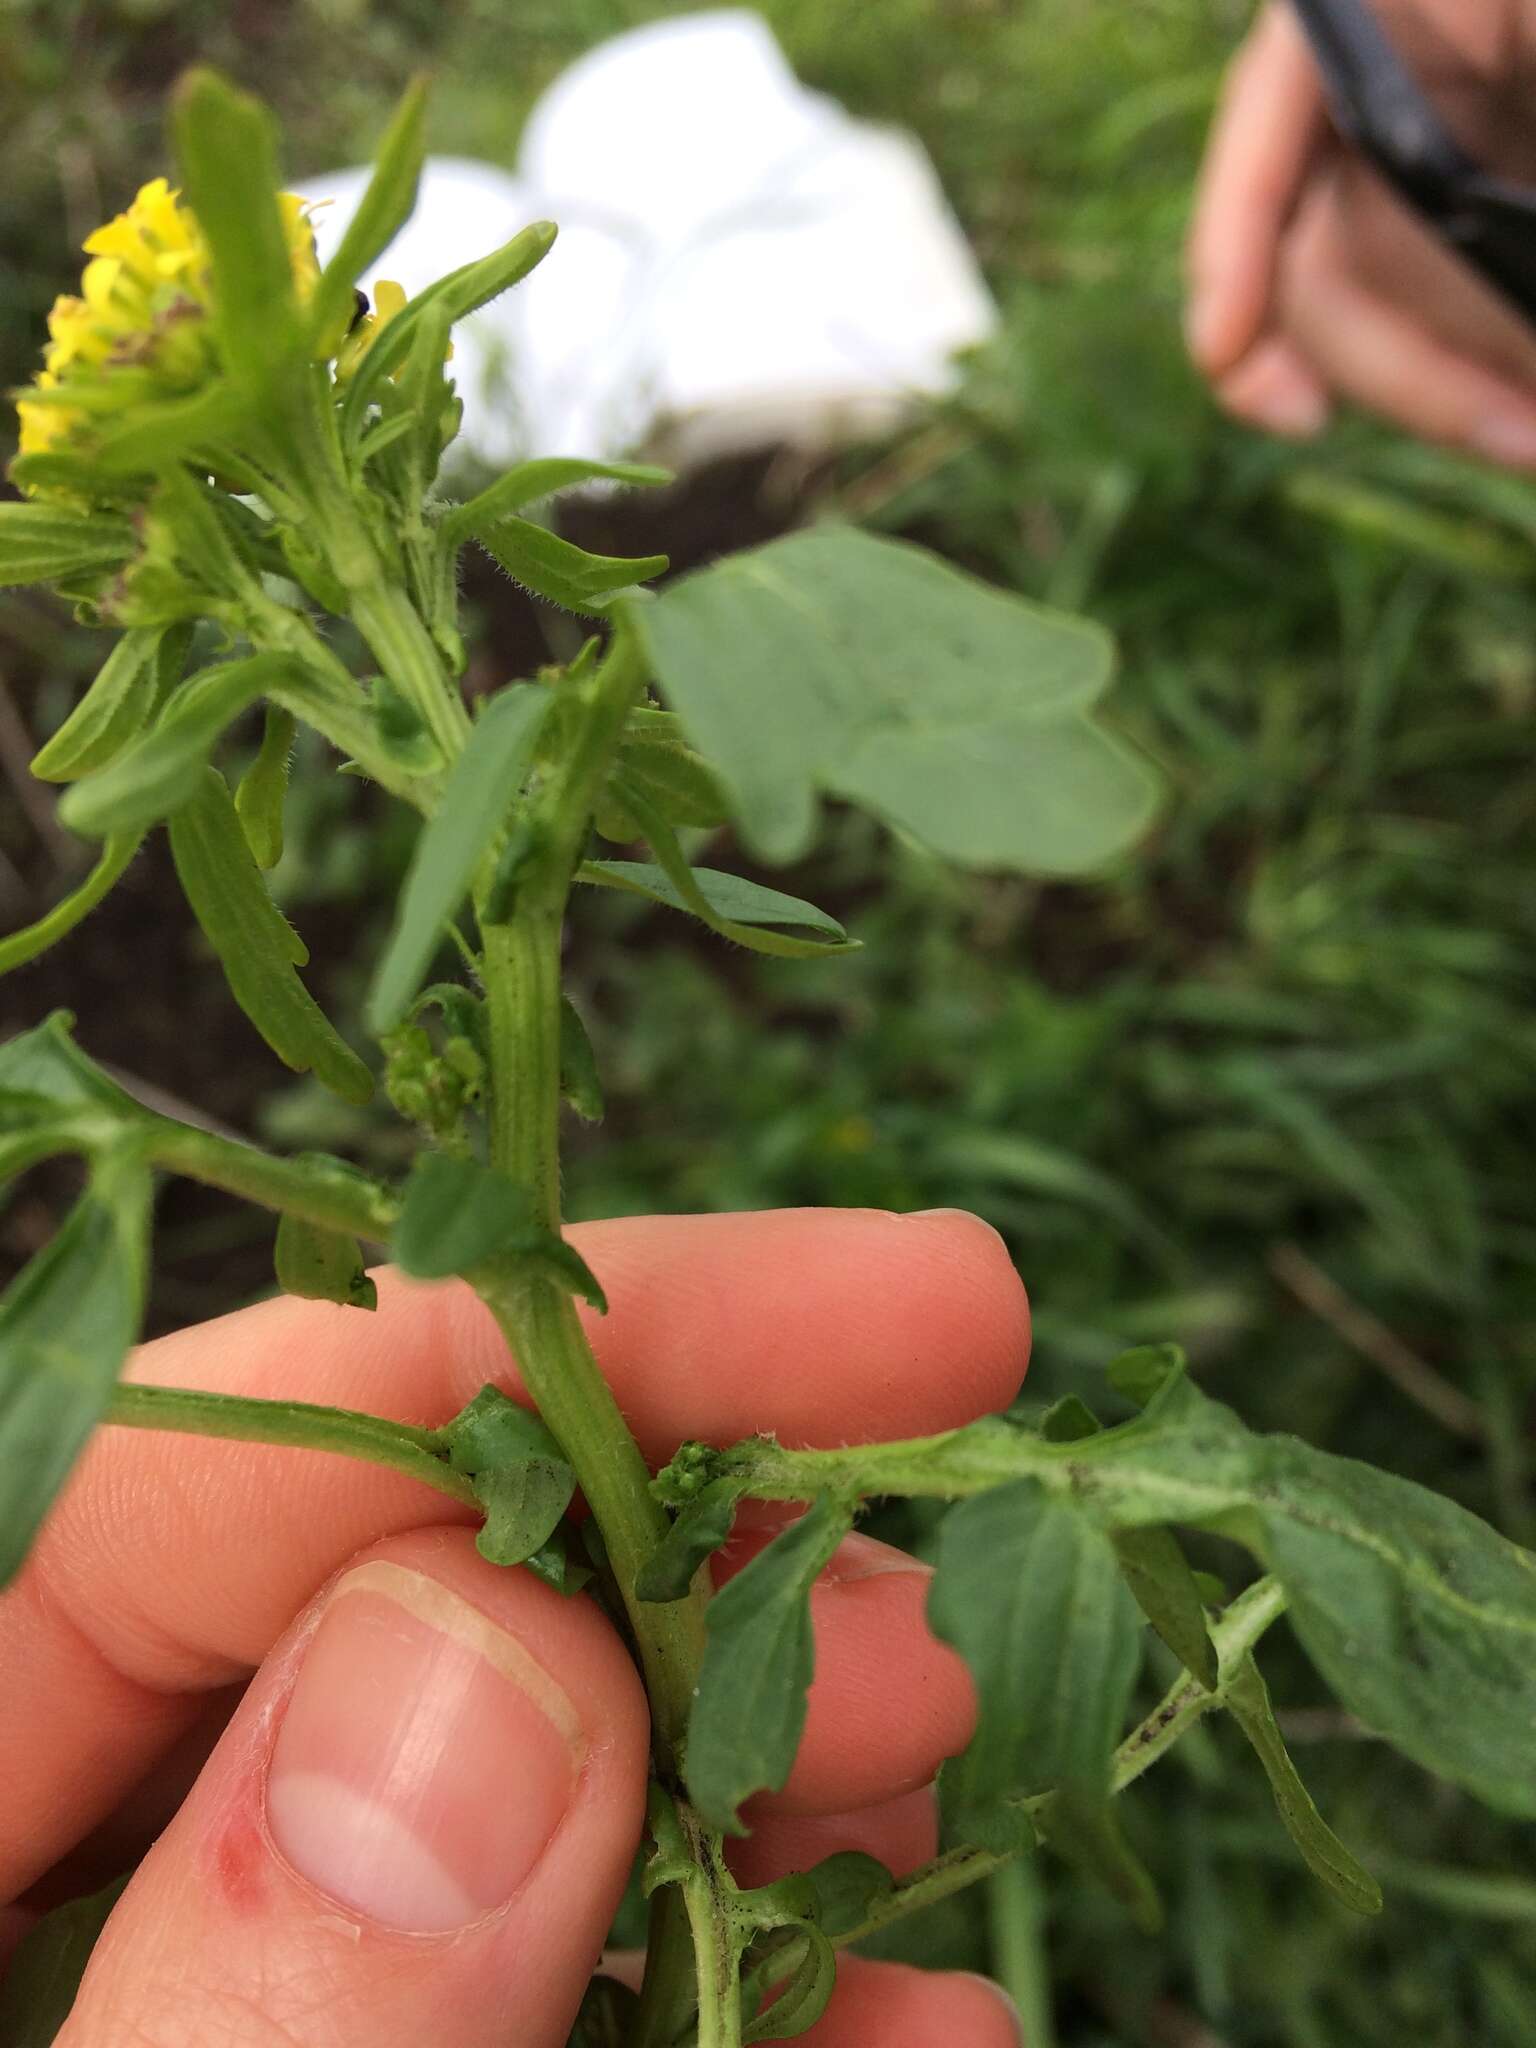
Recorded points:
(1264, 137)
(172, 1564)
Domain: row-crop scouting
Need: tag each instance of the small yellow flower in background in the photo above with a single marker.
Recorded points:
(143, 303)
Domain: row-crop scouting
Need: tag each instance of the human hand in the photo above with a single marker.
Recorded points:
(1308, 278)
(422, 1811)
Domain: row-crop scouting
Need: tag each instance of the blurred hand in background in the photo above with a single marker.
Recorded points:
(1310, 280)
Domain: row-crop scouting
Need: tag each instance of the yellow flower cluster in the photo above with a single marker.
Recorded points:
(143, 301)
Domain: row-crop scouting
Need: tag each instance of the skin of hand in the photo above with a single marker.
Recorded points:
(1309, 280)
(385, 1792)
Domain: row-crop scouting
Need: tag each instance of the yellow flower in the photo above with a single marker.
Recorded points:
(388, 300)
(143, 302)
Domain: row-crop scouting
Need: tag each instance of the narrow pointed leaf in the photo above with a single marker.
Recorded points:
(114, 710)
(530, 482)
(580, 1082)
(731, 905)
(264, 785)
(384, 209)
(460, 293)
(16, 948)
(161, 770)
(226, 145)
(560, 571)
(66, 1324)
(750, 1710)
(39, 544)
(257, 947)
(481, 791)
(1247, 1700)
(1163, 1587)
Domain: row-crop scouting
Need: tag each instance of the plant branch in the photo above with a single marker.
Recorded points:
(1187, 1701)
(317, 1190)
(401, 1445)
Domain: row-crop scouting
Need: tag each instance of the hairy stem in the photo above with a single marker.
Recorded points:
(1186, 1702)
(322, 1191)
(400, 1445)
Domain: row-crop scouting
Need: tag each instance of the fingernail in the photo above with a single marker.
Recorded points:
(1509, 438)
(425, 1759)
(1003, 1999)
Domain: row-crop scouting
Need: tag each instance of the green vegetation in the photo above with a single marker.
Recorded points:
(1266, 1088)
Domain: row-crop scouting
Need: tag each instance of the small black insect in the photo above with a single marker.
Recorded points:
(361, 308)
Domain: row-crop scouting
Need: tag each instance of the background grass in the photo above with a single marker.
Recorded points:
(1268, 1088)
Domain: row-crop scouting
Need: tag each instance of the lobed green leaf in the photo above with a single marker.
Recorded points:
(835, 663)
(457, 1214)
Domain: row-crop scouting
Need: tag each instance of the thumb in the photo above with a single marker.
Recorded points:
(416, 1827)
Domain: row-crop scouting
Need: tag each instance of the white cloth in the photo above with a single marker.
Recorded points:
(740, 263)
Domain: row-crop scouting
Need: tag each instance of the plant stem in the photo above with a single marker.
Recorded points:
(325, 1192)
(1016, 1922)
(349, 1434)
(1234, 1636)
(405, 651)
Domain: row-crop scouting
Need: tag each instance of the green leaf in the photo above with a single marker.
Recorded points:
(226, 145)
(66, 1324)
(580, 1082)
(750, 1709)
(608, 2016)
(520, 1476)
(117, 706)
(16, 948)
(321, 1265)
(485, 783)
(1421, 1617)
(43, 1070)
(257, 947)
(160, 771)
(40, 544)
(523, 1506)
(460, 293)
(493, 1432)
(532, 481)
(728, 904)
(150, 437)
(456, 1214)
(1247, 1700)
(384, 209)
(560, 571)
(1084, 1829)
(38, 1989)
(1027, 1590)
(1143, 1373)
(681, 787)
(1069, 1421)
(263, 786)
(694, 1537)
(802, 1971)
(847, 1885)
(1163, 1586)
(834, 663)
